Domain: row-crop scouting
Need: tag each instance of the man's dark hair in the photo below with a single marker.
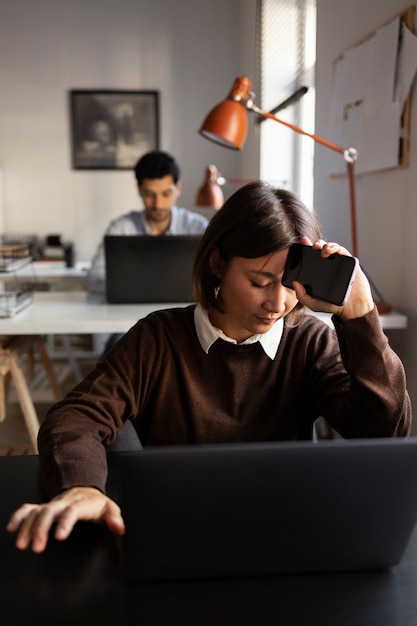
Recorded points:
(157, 164)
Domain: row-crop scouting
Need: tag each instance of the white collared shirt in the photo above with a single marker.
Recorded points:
(208, 334)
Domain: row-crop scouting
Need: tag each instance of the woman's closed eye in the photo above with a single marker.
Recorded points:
(260, 285)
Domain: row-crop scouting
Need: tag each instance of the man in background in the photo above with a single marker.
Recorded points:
(159, 182)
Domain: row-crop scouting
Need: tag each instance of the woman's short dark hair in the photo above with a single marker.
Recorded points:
(256, 220)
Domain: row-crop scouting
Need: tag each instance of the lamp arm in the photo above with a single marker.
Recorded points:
(350, 155)
(290, 100)
(297, 129)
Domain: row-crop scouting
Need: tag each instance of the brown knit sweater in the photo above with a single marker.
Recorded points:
(159, 377)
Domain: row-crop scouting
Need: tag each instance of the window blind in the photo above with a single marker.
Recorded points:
(285, 57)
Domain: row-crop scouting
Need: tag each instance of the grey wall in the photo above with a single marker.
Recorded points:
(387, 215)
(189, 51)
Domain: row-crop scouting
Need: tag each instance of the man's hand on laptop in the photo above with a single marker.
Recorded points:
(33, 522)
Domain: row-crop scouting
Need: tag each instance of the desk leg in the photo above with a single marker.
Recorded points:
(25, 400)
(46, 362)
(2, 397)
(73, 361)
(4, 382)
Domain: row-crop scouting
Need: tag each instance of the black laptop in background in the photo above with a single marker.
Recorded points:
(145, 268)
(226, 510)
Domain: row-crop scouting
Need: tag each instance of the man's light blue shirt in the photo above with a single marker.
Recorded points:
(183, 222)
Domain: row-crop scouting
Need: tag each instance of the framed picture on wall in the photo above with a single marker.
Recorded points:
(112, 129)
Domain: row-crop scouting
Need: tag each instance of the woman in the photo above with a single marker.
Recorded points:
(244, 364)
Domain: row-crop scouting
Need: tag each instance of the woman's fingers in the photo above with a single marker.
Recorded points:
(33, 522)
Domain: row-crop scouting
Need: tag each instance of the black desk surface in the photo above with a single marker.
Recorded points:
(80, 581)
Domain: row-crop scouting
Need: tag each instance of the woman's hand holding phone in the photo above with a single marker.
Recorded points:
(359, 300)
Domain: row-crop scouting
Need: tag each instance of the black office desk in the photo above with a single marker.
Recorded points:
(80, 581)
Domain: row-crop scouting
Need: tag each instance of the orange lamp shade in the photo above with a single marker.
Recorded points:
(227, 123)
(210, 193)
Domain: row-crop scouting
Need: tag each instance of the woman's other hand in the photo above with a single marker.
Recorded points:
(33, 522)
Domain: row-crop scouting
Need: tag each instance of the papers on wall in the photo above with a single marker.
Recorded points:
(371, 84)
(407, 56)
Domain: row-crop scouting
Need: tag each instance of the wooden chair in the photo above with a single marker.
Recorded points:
(11, 349)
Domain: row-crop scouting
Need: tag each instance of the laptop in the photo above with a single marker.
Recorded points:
(230, 510)
(146, 268)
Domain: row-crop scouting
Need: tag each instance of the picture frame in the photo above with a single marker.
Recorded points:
(111, 130)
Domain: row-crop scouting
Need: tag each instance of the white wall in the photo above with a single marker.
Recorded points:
(191, 51)
(386, 201)
(188, 50)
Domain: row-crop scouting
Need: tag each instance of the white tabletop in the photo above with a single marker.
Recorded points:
(77, 312)
(389, 321)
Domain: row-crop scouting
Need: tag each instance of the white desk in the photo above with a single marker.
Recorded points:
(62, 313)
(77, 312)
(389, 321)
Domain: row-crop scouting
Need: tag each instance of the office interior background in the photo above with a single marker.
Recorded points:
(191, 52)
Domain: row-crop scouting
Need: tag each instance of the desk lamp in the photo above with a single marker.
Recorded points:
(210, 194)
(227, 125)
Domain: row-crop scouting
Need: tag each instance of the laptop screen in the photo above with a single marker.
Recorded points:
(145, 268)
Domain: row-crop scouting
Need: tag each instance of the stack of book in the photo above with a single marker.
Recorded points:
(13, 296)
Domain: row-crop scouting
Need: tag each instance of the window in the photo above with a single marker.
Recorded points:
(286, 44)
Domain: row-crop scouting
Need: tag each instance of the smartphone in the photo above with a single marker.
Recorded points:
(327, 279)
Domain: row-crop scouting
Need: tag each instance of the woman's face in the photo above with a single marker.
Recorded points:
(252, 295)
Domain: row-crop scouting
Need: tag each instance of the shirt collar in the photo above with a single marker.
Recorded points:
(208, 334)
(172, 228)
